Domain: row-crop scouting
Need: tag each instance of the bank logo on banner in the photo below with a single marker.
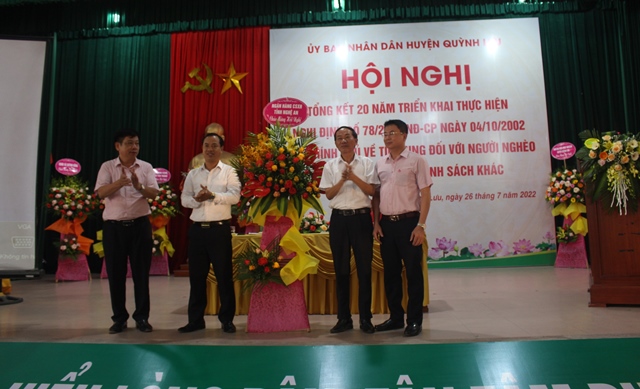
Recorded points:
(473, 96)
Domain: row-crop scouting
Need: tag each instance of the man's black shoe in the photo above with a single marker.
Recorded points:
(190, 327)
(342, 326)
(228, 327)
(367, 327)
(390, 325)
(143, 326)
(117, 327)
(412, 329)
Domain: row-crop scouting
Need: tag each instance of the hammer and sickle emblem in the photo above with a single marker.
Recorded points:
(205, 84)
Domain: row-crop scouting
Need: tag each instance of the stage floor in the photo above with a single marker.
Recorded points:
(513, 327)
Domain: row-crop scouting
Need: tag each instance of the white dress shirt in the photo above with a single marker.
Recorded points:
(223, 181)
(349, 196)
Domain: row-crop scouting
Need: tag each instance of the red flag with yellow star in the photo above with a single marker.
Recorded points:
(217, 76)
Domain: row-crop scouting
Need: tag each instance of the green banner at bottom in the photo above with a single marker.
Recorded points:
(561, 364)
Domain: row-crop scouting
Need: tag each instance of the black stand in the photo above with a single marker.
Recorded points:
(6, 300)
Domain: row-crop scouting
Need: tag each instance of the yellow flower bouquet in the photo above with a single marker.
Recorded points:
(610, 162)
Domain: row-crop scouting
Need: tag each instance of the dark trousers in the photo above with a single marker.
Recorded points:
(130, 241)
(396, 247)
(211, 246)
(352, 232)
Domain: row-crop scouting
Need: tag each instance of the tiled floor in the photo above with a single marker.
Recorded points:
(467, 305)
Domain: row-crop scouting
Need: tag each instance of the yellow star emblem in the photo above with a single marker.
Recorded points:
(231, 77)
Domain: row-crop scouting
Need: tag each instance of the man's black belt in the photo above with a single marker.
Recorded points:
(395, 218)
(351, 212)
(212, 223)
(126, 223)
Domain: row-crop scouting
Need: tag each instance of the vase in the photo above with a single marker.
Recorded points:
(73, 269)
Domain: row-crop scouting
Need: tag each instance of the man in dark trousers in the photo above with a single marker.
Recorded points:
(210, 190)
(349, 181)
(400, 207)
(125, 184)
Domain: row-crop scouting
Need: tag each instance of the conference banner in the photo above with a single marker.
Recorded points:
(472, 93)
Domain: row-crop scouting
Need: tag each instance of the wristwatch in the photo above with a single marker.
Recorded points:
(141, 188)
(213, 196)
(422, 225)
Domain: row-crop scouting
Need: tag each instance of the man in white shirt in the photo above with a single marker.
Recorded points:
(349, 182)
(210, 190)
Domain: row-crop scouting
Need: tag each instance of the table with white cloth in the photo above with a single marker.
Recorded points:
(319, 289)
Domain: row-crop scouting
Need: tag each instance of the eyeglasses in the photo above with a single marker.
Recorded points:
(389, 134)
(347, 138)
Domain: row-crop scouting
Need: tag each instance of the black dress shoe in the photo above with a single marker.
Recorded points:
(117, 327)
(143, 326)
(190, 327)
(367, 327)
(342, 325)
(390, 325)
(413, 329)
(228, 327)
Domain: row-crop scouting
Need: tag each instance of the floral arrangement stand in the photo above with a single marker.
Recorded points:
(73, 269)
(274, 307)
(280, 172)
(566, 194)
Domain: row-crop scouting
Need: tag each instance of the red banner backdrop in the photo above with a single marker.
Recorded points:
(201, 62)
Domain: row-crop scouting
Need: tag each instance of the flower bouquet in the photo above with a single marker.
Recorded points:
(566, 194)
(164, 206)
(259, 267)
(280, 175)
(68, 247)
(566, 185)
(610, 162)
(564, 234)
(71, 200)
(313, 222)
(279, 167)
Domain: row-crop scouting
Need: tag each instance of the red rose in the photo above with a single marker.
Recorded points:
(267, 269)
(263, 261)
(247, 262)
(312, 228)
(292, 191)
